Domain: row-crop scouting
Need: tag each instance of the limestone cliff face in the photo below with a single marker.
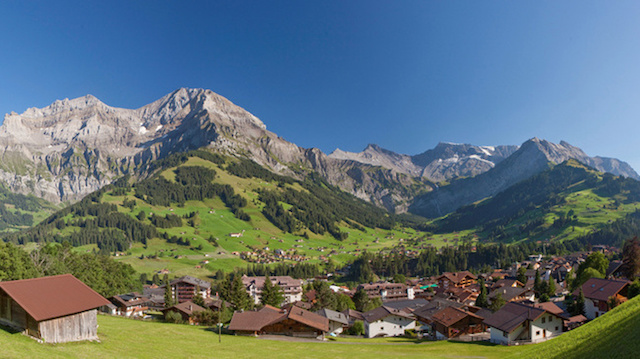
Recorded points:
(73, 147)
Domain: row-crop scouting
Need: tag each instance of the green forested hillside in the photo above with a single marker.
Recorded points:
(181, 218)
(18, 211)
(568, 201)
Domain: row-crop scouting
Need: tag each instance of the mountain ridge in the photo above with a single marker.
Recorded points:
(70, 148)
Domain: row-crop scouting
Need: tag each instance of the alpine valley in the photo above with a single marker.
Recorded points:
(193, 183)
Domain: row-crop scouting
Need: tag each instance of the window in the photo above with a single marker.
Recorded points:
(537, 332)
(556, 329)
(550, 318)
(543, 318)
(381, 328)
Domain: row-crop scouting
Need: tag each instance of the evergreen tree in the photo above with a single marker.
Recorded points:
(344, 302)
(271, 293)
(551, 287)
(631, 258)
(579, 304)
(537, 284)
(325, 297)
(197, 298)
(482, 300)
(360, 299)
(168, 297)
(497, 303)
(238, 294)
(522, 275)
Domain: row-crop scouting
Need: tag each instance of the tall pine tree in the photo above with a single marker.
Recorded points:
(271, 293)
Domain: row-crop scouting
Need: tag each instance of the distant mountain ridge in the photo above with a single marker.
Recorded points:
(533, 157)
(73, 147)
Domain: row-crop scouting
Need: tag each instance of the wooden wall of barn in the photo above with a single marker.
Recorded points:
(76, 327)
(11, 312)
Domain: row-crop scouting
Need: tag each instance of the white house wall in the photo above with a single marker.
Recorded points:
(391, 325)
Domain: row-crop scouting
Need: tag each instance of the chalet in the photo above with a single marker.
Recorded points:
(615, 270)
(291, 288)
(456, 279)
(130, 305)
(54, 309)
(520, 323)
(512, 294)
(597, 293)
(295, 322)
(387, 322)
(452, 322)
(337, 321)
(388, 291)
(185, 288)
(186, 310)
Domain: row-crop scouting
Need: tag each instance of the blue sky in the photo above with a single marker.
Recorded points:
(329, 74)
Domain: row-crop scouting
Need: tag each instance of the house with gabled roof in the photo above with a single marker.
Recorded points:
(186, 311)
(518, 323)
(597, 293)
(130, 304)
(387, 322)
(54, 309)
(295, 322)
(456, 279)
(337, 321)
(451, 322)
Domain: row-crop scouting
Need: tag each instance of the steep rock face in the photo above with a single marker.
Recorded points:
(534, 156)
(73, 147)
(444, 162)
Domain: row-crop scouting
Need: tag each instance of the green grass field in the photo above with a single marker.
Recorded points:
(614, 335)
(126, 338)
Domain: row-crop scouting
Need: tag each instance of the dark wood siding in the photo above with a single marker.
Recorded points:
(291, 327)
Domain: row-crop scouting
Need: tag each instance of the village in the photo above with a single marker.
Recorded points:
(528, 302)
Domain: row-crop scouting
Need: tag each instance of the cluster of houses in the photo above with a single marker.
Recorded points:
(62, 308)
(266, 256)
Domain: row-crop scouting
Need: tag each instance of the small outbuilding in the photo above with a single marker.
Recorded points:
(55, 309)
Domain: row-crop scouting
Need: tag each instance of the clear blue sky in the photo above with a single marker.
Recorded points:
(328, 74)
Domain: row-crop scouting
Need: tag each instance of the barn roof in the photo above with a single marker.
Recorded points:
(52, 297)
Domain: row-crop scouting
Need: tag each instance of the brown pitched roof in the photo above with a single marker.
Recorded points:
(52, 297)
(353, 314)
(187, 308)
(601, 289)
(550, 307)
(426, 312)
(253, 321)
(450, 315)
(457, 277)
(309, 318)
(383, 312)
(511, 315)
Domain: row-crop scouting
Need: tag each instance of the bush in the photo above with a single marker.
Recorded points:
(173, 317)
(357, 328)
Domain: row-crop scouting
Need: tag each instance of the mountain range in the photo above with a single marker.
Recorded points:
(73, 147)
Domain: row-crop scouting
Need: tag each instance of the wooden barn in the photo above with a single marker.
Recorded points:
(54, 309)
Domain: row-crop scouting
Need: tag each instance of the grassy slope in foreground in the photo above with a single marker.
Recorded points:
(126, 338)
(614, 335)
